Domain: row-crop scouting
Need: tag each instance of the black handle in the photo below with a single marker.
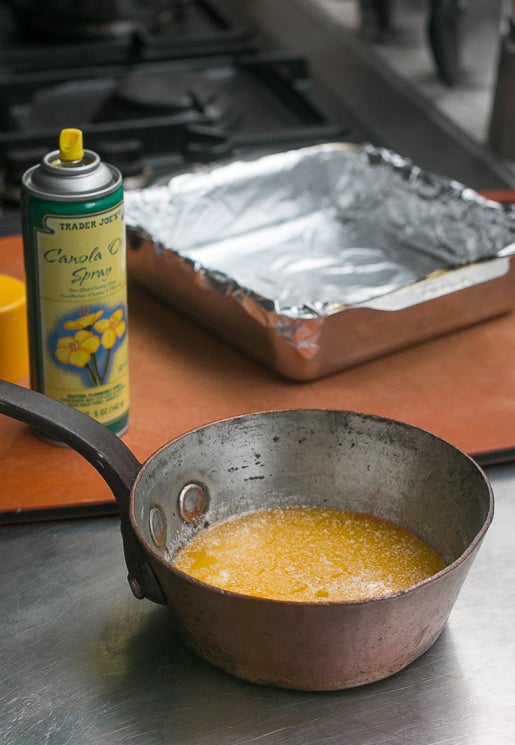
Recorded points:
(105, 451)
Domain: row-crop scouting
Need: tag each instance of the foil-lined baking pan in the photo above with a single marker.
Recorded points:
(316, 259)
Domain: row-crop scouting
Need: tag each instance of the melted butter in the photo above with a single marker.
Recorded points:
(308, 554)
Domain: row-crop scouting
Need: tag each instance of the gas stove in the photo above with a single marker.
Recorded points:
(59, 33)
(168, 85)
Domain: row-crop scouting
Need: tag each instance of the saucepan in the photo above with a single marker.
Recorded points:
(337, 458)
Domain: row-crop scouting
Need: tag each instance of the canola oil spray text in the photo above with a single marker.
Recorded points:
(75, 266)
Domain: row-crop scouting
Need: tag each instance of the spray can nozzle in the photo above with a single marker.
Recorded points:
(70, 145)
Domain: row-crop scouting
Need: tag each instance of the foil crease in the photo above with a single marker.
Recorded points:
(298, 235)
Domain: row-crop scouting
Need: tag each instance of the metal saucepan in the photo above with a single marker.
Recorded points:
(335, 458)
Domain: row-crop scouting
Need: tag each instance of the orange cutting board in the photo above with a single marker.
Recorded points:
(461, 387)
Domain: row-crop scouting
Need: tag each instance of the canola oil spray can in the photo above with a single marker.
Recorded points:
(75, 266)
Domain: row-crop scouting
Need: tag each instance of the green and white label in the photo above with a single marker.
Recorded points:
(81, 276)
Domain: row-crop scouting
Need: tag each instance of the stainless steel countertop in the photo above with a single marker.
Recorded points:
(84, 662)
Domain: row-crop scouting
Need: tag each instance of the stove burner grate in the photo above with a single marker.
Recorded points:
(96, 19)
(180, 95)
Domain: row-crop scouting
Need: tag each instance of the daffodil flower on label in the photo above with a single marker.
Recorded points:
(84, 322)
(77, 350)
(111, 328)
(87, 350)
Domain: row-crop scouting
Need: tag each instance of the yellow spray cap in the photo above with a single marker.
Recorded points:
(70, 145)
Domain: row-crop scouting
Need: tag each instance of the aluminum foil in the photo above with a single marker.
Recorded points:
(310, 231)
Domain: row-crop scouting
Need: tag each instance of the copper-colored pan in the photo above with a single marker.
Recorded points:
(336, 458)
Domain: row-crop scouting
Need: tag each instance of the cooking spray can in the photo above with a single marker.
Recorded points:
(75, 266)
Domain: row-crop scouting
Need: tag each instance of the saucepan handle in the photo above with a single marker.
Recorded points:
(104, 450)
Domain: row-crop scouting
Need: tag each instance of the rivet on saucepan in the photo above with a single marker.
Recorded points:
(157, 523)
(193, 501)
(136, 589)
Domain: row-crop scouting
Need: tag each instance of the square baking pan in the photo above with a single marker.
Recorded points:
(317, 259)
